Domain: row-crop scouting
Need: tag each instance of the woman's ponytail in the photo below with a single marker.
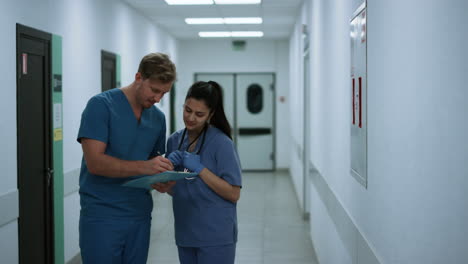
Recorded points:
(219, 119)
(212, 93)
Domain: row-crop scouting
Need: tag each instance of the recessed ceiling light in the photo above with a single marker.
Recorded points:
(226, 20)
(237, 2)
(247, 33)
(201, 21)
(227, 34)
(243, 20)
(214, 34)
(189, 2)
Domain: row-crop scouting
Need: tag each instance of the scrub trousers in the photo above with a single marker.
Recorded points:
(112, 241)
(224, 254)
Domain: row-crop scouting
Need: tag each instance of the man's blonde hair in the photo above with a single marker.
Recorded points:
(157, 66)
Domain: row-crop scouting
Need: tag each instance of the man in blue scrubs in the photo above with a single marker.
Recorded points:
(123, 136)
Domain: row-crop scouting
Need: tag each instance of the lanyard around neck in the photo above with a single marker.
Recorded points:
(201, 145)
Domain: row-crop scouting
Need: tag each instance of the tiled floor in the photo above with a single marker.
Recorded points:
(271, 229)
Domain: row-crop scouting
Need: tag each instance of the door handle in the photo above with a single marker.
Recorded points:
(251, 131)
(50, 173)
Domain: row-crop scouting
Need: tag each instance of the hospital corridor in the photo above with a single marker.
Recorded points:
(269, 232)
(234, 131)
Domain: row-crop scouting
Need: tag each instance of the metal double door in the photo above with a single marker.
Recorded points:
(249, 108)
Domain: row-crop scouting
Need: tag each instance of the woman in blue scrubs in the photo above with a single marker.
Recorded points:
(204, 206)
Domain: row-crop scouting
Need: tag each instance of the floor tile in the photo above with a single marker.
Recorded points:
(271, 229)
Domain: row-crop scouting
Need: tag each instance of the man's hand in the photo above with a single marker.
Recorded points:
(157, 165)
(101, 164)
(163, 187)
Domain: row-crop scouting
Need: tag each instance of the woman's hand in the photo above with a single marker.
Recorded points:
(176, 157)
(192, 162)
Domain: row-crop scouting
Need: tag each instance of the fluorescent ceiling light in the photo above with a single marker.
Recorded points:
(227, 20)
(247, 33)
(227, 34)
(243, 20)
(210, 2)
(189, 2)
(237, 2)
(199, 21)
(214, 34)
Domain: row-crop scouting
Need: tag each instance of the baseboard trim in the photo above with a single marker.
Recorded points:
(76, 259)
(71, 182)
(353, 240)
(9, 206)
(285, 170)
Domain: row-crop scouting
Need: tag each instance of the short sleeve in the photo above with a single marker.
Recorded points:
(160, 146)
(170, 147)
(227, 162)
(95, 121)
(172, 142)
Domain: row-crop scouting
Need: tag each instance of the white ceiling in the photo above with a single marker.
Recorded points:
(278, 16)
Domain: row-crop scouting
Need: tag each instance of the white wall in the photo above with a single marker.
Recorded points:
(415, 208)
(217, 56)
(86, 27)
(297, 106)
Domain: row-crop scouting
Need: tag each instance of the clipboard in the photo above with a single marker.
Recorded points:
(146, 181)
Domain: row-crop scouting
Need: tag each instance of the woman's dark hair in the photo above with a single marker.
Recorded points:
(212, 94)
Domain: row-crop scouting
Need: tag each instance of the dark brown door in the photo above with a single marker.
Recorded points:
(35, 223)
(108, 70)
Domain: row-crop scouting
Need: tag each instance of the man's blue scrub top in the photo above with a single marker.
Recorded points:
(202, 218)
(108, 117)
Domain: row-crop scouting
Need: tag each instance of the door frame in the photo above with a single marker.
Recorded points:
(172, 110)
(306, 86)
(113, 57)
(32, 33)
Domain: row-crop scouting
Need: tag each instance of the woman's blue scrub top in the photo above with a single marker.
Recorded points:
(202, 217)
(109, 118)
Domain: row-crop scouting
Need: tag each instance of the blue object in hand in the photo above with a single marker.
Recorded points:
(176, 157)
(192, 162)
